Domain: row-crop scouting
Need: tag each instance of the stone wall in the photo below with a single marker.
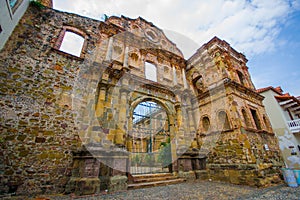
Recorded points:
(241, 158)
(53, 102)
(240, 144)
(38, 127)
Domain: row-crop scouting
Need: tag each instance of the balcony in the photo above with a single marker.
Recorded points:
(294, 125)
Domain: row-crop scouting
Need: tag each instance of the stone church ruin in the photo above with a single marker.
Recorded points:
(127, 104)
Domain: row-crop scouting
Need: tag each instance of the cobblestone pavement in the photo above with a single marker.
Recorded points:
(198, 190)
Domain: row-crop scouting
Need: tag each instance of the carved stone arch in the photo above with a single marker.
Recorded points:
(170, 109)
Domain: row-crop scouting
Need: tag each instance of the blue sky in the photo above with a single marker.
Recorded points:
(266, 31)
(281, 66)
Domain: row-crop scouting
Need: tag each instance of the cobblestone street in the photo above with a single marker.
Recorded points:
(195, 190)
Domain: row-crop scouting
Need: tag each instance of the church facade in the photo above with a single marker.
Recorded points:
(89, 121)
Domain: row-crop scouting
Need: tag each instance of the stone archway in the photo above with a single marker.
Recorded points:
(149, 136)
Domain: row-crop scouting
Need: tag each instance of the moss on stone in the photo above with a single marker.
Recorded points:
(23, 153)
(10, 137)
(21, 137)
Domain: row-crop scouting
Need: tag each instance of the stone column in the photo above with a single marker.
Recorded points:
(180, 135)
(174, 76)
(109, 49)
(190, 116)
(125, 63)
(184, 79)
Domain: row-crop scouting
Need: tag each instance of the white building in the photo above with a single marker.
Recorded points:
(11, 12)
(284, 114)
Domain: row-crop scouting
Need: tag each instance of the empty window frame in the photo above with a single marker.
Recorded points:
(72, 41)
(14, 4)
(255, 118)
(150, 72)
(246, 118)
(241, 77)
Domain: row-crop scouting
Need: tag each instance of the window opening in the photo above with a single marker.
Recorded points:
(246, 119)
(256, 119)
(241, 77)
(72, 43)
(150, 71)
(12, 3)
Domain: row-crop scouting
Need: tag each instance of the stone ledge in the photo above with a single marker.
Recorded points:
(83, 186)
(188, 176)
(232, 166)
(117, 183)
(201, 174)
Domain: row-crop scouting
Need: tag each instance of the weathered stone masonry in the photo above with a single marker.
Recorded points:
(53, 102)
(37, 120)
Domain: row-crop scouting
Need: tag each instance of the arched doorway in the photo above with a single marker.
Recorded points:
(148, 140)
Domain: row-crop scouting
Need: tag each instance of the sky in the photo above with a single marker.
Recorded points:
(266, 31)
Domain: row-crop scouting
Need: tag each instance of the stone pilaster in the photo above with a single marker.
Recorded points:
(109, 49)
(174, 76)
(125, 63)
(184, 79)
(119, 137)
(100, 103)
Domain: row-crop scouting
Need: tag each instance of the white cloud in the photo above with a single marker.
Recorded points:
(250, 26)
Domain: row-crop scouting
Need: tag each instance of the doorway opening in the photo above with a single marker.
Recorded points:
(149, 139)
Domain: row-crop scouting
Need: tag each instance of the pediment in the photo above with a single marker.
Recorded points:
(146, 30)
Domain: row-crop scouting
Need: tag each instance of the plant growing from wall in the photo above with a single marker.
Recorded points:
(37, 4)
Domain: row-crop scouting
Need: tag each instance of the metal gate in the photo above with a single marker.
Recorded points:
(150, 138)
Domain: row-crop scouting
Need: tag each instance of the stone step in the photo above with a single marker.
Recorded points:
(154, 179)
(155, 183)
(151, 180)
(147, 176)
